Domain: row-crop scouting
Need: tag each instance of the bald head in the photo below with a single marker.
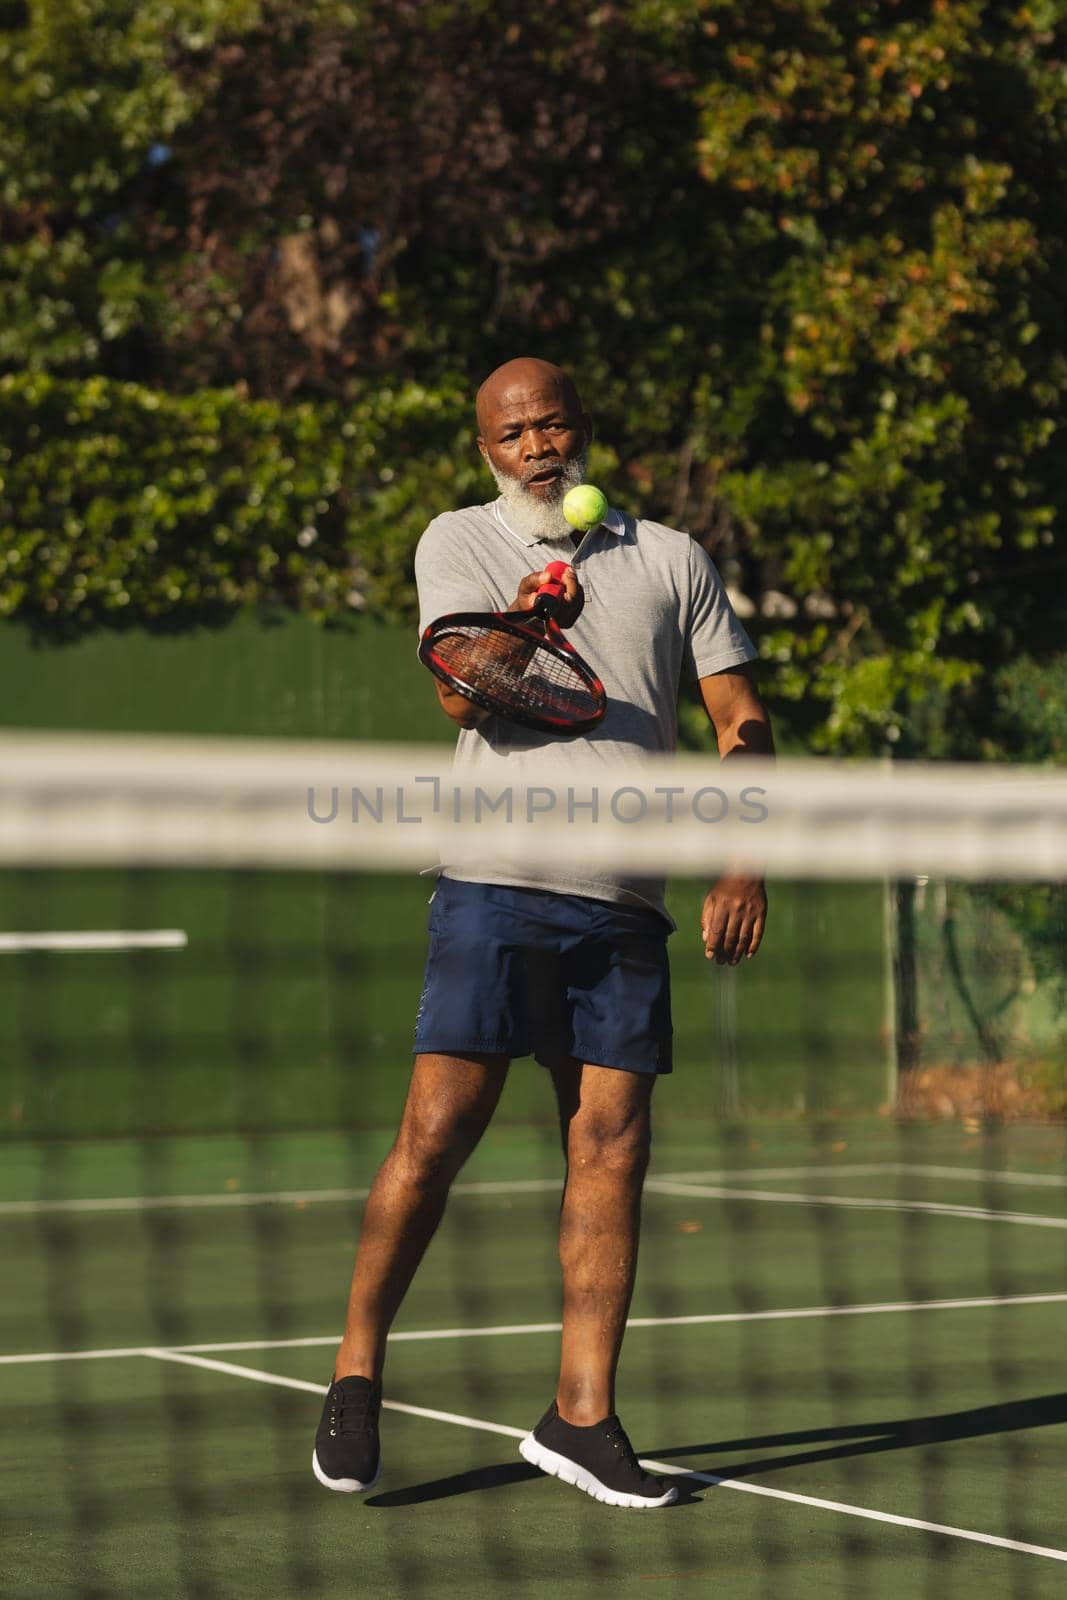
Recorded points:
(533, 434)
(519, 381)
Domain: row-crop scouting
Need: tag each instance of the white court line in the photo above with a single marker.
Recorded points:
(178, 1202)
(1035, 1180)
(229, 1368)
(741, 1486)
(852, 1203)
(195, 1202)
(95, 939)
(970, 1535)
(785, 1314)
(867, 1169)
(271, 1197)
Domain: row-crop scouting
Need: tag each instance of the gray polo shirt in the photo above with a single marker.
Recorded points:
(655, 614)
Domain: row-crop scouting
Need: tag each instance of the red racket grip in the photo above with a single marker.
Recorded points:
(553, 590)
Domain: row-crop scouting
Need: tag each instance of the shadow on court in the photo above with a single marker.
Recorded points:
(874, 1438)
(839, 1443)
(500, 1476)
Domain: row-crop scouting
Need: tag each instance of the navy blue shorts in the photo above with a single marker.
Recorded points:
(521, 972)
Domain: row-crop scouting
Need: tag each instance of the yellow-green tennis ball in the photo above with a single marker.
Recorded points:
(585, 507)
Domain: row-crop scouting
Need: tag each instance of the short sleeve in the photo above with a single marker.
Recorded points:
(715, 639)
(447, 576)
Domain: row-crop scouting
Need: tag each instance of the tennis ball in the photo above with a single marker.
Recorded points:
(584, 507)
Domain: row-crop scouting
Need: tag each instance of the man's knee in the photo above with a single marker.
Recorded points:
(434, 1142)
(609, 1142)
(450, 1101)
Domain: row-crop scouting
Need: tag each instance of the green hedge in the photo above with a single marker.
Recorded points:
(121, 502)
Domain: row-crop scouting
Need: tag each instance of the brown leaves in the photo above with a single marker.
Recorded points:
(334, 167)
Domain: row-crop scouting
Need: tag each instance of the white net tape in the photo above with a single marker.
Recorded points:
(103, 800)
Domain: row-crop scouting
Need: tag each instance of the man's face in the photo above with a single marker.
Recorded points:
(531, 429)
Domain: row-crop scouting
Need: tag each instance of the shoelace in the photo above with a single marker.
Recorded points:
(616, 1437)
(353, 1413)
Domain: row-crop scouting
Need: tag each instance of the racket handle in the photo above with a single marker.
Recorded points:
(550, 594)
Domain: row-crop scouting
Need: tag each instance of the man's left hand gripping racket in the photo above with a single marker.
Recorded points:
(517, 664)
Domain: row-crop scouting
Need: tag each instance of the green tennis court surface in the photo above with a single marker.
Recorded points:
(784, 1341)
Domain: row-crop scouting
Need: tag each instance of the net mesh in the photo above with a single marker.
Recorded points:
(846, 1336)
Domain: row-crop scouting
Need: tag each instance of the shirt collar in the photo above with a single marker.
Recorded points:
(614, 522)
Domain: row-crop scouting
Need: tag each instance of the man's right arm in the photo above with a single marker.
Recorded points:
(462, 711)
(447, 580)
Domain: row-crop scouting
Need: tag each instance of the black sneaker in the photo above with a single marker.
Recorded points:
(346, 1455)
(599, 1460)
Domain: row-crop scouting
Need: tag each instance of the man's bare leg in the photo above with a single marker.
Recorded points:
(605, 1119)
(449, 1104)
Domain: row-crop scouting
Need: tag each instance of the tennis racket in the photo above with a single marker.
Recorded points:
(517, 664)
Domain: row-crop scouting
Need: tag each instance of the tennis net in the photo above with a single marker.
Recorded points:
(845, 1338)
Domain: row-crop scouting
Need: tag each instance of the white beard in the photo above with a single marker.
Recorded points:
(542, 518)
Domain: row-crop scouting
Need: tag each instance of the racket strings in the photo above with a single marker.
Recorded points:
(522, 672)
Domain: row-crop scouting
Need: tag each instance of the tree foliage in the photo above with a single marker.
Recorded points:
(124, 504)
(1031, 709)
(438, 178)
(804, 256)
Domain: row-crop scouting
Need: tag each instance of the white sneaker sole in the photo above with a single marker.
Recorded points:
(344, 1485)
(562, 1467)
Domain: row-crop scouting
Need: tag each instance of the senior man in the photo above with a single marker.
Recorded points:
(568, 966)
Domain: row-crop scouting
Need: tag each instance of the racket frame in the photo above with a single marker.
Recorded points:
(547, 637)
